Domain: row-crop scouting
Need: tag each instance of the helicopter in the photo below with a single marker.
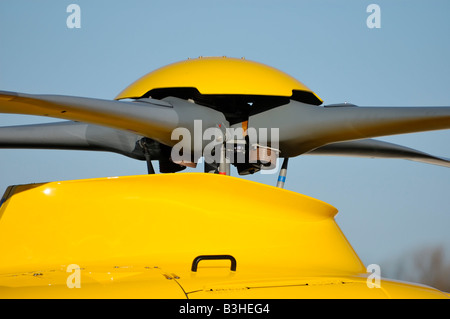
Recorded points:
(176, 235)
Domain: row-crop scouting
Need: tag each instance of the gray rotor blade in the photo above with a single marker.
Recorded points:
(304, 127)
(70, 135)
(155, 119)
(378, 149)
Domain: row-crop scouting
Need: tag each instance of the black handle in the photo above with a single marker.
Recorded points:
(214, 257)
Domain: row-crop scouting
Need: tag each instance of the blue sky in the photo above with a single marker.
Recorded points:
(386, 207)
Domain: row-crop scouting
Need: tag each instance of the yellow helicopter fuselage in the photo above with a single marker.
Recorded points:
(139, 237)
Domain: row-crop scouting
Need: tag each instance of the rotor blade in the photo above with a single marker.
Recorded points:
(155, 119)
(70, 135)
(303, 127)
(378, 149)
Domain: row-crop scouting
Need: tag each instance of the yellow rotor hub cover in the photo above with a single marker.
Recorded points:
(219, 76)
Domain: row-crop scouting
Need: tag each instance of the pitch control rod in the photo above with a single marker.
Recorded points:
(148, 159)
(283, 173)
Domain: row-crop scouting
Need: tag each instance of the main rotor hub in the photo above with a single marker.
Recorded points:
(236, 87)
(219, 76)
